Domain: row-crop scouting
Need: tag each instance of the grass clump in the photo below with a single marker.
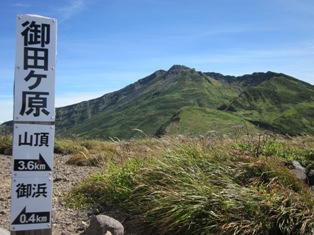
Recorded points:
(102, 189)
(5, 143)
(66, 146)
(192, 187)
(84, 158)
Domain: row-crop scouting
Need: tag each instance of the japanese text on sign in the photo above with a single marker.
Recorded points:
(31, 190)
(34, 119)
(35, 34)
(35, 69)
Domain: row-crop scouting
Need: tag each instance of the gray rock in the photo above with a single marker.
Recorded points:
(299, 174)
(8, 151)
(299, 171)
(102, 224)
(4, 232)
(298, 166)
(310, 177)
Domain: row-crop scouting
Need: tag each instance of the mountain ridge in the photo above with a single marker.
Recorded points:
(169, 91)
(150, 103)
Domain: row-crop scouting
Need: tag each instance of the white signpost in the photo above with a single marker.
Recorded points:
(34, 117)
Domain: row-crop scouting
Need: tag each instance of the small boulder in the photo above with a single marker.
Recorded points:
(7, 151)
(298, 166)
(103, 224)
(299, 171)
(4, 232)
(310, 177)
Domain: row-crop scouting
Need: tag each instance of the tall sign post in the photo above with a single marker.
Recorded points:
(34, 125)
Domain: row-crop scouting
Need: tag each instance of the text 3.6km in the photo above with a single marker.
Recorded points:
(30, 166)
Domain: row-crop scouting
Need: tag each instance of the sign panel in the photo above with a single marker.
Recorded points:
(34, 116)
(34, 85)
(31, 200)
(33, 150)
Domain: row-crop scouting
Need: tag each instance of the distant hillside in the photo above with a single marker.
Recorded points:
(282, 104)
(184, 101)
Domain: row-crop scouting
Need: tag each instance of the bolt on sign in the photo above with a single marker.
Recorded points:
(34, 123)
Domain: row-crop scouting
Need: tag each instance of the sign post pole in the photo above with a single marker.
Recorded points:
(34, 125)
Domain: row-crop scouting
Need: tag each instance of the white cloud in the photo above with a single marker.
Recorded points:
(74, 7)
(22, 5)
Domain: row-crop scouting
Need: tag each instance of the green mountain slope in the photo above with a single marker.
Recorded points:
(146, 104)
(282, 104)
(184, 101)
(193, 121)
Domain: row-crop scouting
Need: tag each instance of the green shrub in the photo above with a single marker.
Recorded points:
(5, 142)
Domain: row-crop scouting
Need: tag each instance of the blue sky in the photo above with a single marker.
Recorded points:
(105, 45)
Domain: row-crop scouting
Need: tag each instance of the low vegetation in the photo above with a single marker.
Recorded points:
(236, 183)
(218, 184)
(5, 142)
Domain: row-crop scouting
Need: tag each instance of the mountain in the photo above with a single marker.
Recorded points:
(145, 105)
(184, 101)
(282, 104)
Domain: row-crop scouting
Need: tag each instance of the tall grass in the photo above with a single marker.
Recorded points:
(202, 186)
(5, 142)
